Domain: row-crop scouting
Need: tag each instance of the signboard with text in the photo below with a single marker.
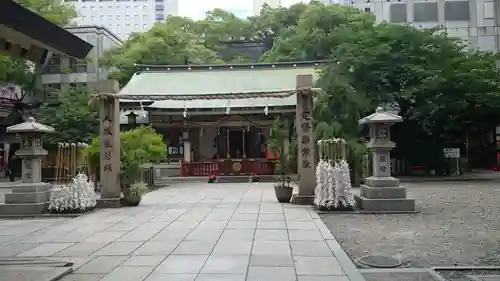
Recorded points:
(451, 152)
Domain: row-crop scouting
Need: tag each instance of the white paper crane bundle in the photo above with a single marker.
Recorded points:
(333, 182)
(78, 196)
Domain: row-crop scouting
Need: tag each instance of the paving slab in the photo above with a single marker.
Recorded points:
(189, 232)
(32, 273)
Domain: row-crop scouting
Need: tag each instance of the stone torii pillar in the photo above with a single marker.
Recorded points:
(109, 117)
(305, 141)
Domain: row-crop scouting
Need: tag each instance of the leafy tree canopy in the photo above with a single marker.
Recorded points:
(170, 43)
(74, 119)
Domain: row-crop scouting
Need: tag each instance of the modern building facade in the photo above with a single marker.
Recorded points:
(257, 5)
(123, 17)
(471, 20)
(63, 71)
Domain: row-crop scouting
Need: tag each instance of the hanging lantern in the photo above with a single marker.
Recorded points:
(185, 112)
(228, 108)
(144, 115)
(132, 118)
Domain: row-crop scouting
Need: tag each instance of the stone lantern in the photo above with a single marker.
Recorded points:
(31, 196)
(381, 191)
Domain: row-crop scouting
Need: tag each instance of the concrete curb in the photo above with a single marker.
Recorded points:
(417, 180)
(60, 275)
(41, 216)
(431, 272)
(345, 262)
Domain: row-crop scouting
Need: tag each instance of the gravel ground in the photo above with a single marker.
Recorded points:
(459, 224)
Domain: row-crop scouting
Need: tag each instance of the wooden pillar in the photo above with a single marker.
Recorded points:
(243, 143)
(306, 164)
(187, 146)
(228, 148)
(109, 115)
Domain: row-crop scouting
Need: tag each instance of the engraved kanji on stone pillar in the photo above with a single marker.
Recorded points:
(109, 115)
(305, 141)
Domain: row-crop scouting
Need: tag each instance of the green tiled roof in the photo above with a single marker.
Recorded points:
(223, 82)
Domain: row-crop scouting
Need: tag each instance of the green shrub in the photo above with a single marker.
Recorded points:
(137, 146)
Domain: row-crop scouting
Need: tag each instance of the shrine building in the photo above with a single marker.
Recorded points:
(215, 119)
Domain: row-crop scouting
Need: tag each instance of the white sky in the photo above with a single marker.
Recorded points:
(196, 8)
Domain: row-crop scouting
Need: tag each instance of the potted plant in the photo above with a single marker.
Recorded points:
(212, 178)
(282, 188)
(255, 177)
(133, 194)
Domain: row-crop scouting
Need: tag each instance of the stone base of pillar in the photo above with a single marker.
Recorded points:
(298, 199)
(382, 181)
(384, 194)
(108, 203)
(27, 198)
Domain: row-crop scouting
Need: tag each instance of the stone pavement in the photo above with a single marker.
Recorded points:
(202, 232)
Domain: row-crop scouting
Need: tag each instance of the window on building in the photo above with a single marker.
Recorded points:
(93, 18)
(456, 10)
(488, 9)
(54, 65)
(368, 10)
(49, 88)
(127, 17)
(118, 17)
(425, 12)
(78, 66)
(159, 17)
(397, 13)
(136, 17)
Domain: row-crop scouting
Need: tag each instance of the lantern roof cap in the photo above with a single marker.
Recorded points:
(380, 117)
(30, 126)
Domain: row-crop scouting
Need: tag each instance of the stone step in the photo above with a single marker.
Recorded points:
(27, 188)
(33, 273)
(29, 197)
(234, 179)
(385, 205)
(24, 209)
(383, 192)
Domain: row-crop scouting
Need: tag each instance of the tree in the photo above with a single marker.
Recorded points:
(74, 119)
(436, 81)
(172, 42)
(442, 88)
(311, 32)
